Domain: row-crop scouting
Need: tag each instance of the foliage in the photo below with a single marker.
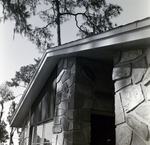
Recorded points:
(3, 132)
(24, 75)
(5, 95)
(96, 17)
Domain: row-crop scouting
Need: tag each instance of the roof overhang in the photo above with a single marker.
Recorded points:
(99, 47)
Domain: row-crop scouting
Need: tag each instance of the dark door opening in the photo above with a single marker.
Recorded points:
(102, 130)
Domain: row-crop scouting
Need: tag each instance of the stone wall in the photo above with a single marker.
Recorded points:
(82, 86)
(131, 75)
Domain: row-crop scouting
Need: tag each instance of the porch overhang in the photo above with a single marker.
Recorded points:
(99, 47)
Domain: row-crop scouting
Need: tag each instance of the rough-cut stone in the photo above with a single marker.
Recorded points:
(123, 135)
(130, 55)
(116, 57)
(57, 129)
(58, 98)
(76, 101)
(73, 69)
(65, 96)
(147, 55)
(119, 113)
(60, 75)
(65, 64)
(60, 140)
(84, 90)
(146, 91)
(146, 79)
(139, 127)
(61, 62)
(85, 115)
(138, 70)
(104, 104)
(121, 72)
(144, 111)
(131, 97)
(71, 61)
(87, 134)
(69, 135)
(88, 103)
(71, 81)
(74, 125)
(78, 136)
(57, 120)
(66, 75)
(122, 83)
(65, 87)
(137, 141)
(69, 114)
(59, 86)
(60, 112)
(63, 105)
(64, 124)
(72, 88)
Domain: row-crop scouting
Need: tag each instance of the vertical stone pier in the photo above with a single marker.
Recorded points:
(131, 75)
(82, 86)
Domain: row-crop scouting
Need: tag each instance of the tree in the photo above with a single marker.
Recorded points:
(3, 132)
(5, 95)
(96, 17)
(24, 75)
(10, 113)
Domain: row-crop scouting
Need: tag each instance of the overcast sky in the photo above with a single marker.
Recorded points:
(19, 52)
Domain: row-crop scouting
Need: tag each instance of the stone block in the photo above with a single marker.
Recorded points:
(64, 124)
(119, 113)
(138, 127)
(85, 115)
(72, 89)
(123, 135)
(71, 61)
(57, 120)
(65, 88)
(138, 70)
(65, 96)
(59, 86)
(57, 129)
(65, 64)
(69, 135)
(60, 75)
(74, 125)
(104, 104)
(88, 103)
(84, 90)
(130, 55)
(116, 57)
(146, 91)
(66, 75)
(147, 55)
(54, 139)
(63, 105)
(146, 79)
(58, 98)
(60, 112)
(87, 134)
(144, 111)
(131, 97)
(137, 140)
(121, 72)
(78, 136)
(61, 62)
(71, 81)
(73, 69)
(122, 83)
(69, 114)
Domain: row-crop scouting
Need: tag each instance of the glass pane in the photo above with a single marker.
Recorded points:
(37, 136)
(48, 133)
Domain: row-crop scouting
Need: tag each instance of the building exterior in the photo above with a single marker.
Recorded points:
(91, 91)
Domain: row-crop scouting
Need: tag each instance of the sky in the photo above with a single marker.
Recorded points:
(19, 52)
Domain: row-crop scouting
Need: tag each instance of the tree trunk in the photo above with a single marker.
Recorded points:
(58, 23)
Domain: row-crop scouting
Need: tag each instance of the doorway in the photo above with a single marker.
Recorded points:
(102, 130)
